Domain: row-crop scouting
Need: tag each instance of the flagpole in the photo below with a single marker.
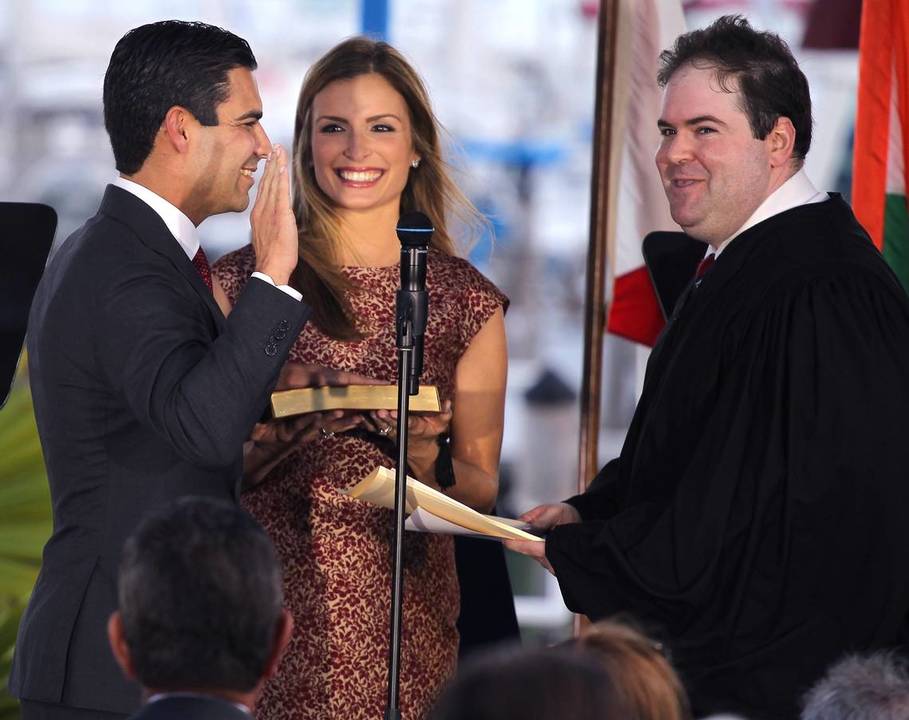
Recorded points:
(595, 301)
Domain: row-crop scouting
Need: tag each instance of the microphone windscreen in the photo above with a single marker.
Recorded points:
(414, 230)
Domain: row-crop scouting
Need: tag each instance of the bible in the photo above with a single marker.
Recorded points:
(297, 401)
(433, 511)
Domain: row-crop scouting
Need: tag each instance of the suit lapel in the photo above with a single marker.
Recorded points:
(148, 225)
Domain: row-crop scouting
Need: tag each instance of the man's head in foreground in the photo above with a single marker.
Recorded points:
(200, 603)
(182, 110)
(736, 124)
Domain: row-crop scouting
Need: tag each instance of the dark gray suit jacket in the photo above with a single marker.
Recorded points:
(143, 393)
(195, 707)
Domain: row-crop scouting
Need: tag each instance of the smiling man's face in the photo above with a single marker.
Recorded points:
(226, 155)
(715, 172)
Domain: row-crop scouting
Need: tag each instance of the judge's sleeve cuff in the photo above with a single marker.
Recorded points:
(583, 504)
(295, 294)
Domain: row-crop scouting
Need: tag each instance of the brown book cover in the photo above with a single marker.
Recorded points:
(285, 403)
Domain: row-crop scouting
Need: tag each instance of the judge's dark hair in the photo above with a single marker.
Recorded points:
(757, 64)
(511, 682)
(155, 67)
(429, 187)
(200, 597)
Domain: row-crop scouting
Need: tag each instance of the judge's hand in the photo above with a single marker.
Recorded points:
(543, 517)
(531, 548)
(546, 517)
(274, 229)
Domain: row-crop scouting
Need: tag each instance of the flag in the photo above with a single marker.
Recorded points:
(637, 204)
(881, 139)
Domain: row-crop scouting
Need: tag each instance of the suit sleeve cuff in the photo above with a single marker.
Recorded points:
(295, 294)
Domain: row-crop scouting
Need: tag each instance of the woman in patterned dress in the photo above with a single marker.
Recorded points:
(366, 150)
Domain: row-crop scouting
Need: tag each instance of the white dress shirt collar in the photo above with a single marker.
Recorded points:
(164, 696)
(180, 226)
(797, 190)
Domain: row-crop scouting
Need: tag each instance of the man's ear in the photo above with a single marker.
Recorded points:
(283, 631)
(782, 141)
(176, 127)
(117, 639)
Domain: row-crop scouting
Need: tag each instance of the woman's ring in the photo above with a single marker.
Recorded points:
(385, 430)
(326, 433)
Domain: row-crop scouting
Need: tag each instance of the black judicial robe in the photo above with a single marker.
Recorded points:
(758, 514)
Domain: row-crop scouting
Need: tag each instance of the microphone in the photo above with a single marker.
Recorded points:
(414, 231)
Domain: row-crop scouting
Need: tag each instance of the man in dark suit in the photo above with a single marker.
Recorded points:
(200, 622)
(143, 391)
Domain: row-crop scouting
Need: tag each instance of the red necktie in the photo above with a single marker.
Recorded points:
(703, 267)
(202, 267)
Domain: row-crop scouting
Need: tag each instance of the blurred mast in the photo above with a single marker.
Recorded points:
(374, 18)
(595, 302)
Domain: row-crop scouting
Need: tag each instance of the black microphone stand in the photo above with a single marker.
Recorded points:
(410, 323)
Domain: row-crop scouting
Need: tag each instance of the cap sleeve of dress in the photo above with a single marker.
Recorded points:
(477, 296)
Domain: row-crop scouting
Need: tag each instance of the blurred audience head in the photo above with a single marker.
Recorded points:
(541, 684)
(874, 687)
(200, 601)
(757, 64)
(161, 65)
(644, 682)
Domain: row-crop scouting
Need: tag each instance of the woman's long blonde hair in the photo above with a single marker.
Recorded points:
(429, 188)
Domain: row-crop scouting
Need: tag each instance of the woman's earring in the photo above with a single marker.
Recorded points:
(415, 163)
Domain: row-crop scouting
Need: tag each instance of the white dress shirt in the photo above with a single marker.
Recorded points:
(182, 228)
(163, 696)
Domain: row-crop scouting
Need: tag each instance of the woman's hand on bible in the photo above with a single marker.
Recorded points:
(423, 428)
(272, 441)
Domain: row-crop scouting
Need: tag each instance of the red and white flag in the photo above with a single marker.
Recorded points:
(637, 205)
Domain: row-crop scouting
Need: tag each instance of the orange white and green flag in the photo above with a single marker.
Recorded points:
(882, 131)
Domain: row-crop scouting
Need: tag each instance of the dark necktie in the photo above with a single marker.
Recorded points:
(202, 267)
(703, 267)
(699, 274)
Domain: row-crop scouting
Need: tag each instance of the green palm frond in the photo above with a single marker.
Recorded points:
(25, 522)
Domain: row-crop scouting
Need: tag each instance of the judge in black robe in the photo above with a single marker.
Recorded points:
(758, 515)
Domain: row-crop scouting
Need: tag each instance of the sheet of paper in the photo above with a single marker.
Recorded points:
(423, 521)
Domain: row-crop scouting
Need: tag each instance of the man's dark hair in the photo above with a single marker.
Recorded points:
(155, 67)
(757, 64)
(200, 597)
(874, 687)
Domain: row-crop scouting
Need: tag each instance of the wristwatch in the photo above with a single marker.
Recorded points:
(445, 476)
